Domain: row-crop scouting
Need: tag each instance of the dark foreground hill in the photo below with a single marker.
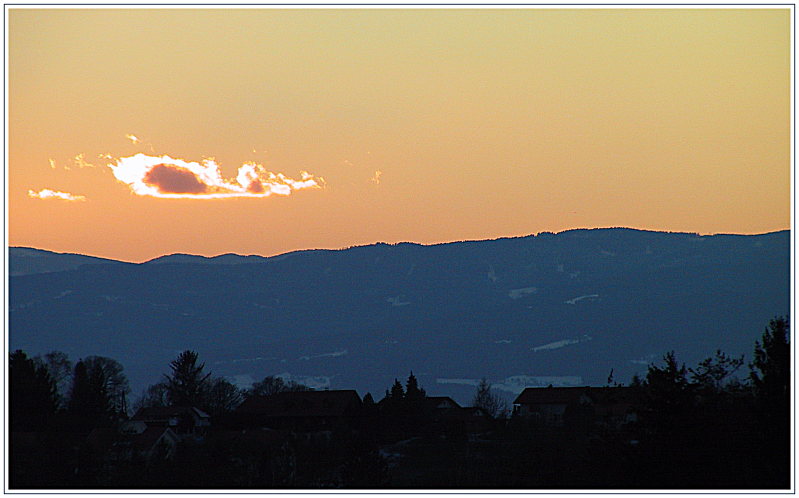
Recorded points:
(560, 309)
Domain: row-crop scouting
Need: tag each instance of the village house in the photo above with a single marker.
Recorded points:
(553, 406)
(441, 403)
(184, 421)
(547, 406)
(302, 411)
(445, 410)
(133, 442)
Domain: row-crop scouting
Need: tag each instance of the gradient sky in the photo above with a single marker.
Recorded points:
(481, 124)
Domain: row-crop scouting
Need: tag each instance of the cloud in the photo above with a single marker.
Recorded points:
(80, 162)
(133, 138)
(54, 194)
(165, 177)
(174, 180)
(376, 179)
(52, 163)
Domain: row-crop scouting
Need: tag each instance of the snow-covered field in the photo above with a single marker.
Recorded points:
(519, 293)
(562, 343)
(580, 298)
(334, 354)
(396, 301)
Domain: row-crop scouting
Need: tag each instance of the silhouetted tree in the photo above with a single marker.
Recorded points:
(187, 385)
(60, 369)
(154, 395)
(272, 385)
(770, 375)
(393, 402)
(109, 374)
(667, 396)
(668, 384)
(711, 373)
(223, 397)
(491, 403)
(89, 404)
(414, 397)
(412, 389)
(32, 393)
(397, 393)
(770, 370)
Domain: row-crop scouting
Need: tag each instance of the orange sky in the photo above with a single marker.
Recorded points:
(482, 124)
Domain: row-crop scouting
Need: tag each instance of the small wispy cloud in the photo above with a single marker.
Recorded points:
(133, 138)
(80, 162)
(52, 163)
(55, 194)
(376, 178)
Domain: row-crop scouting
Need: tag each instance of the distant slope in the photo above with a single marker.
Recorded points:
(29, 261)
(224, 259)
(560, 309)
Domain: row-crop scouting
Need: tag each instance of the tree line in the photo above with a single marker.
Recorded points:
(721, 424)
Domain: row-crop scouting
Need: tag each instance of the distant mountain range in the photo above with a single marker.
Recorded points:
(561, 309)
(29, 261)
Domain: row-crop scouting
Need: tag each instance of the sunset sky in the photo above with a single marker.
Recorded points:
(390, 125)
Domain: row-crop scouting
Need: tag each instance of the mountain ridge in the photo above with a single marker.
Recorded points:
(560, 309)
(233, 258)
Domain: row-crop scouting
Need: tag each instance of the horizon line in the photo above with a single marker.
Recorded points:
(535, 234)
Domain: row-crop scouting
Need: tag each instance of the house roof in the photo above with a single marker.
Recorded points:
(615, 396)
(550, 395)
(147, 439)
(435, 401)
(465, 413)
(302, 404)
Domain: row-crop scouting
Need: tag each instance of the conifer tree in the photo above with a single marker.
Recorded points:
(770, 370)
(397, 392)
(188, 385)
(89, 405)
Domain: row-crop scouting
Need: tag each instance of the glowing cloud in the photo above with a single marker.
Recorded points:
(54, 194)
(133, 138)
(376, 179)
(166, 177)
(52, 163)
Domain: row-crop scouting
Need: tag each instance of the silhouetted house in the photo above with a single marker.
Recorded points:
(118, 445)
(470, 419)
(440, 403)
(559, 406)
(446, 412)
(183, 420)
(302, 411)
(548, 405)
